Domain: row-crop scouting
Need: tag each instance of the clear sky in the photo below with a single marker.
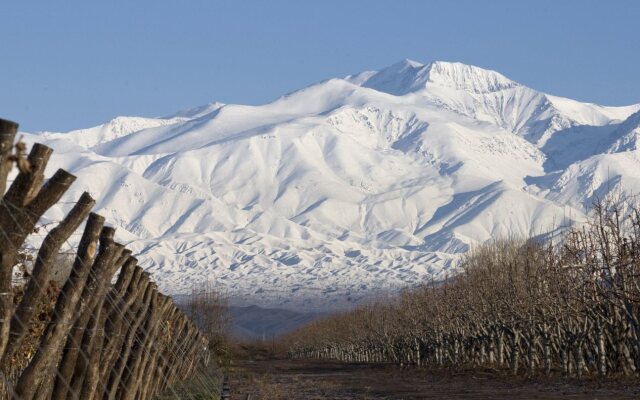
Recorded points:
(73, 64)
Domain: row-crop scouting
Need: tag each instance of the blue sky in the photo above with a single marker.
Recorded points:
(75, 64)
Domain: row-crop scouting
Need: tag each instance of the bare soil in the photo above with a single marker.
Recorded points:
(311, 379)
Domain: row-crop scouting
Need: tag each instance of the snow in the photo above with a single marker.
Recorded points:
(377, 181)
(410, 76)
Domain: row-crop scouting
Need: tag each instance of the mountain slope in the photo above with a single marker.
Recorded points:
(348, 186)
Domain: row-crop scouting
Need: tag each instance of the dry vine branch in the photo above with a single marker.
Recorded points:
(570, 308)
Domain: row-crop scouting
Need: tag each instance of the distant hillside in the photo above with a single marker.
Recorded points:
(253, 322)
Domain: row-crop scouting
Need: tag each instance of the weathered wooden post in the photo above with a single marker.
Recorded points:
(95, 295)
(119, 313)
(21, 208)
(87, 365)
(41, 275)
(117, 347)
(8, 130)
(65, 308)
(139, 311)
(152, 370)
(226, 389)
(108, 251)
(133, 377)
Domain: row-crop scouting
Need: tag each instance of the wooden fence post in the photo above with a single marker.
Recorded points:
(90, 327)
(62, 321)
(118, 345)
(8, 130)
(139, 311)
(114, 329)
(226, 389)
(16, 220)
(41, 275)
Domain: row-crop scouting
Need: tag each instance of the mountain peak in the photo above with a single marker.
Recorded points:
(399, 79)
(409, 63)
(468, 77)
(408, 76)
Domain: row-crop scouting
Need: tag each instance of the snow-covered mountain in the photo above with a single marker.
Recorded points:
(378, 180)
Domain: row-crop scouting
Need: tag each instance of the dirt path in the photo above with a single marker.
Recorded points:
(307, 380)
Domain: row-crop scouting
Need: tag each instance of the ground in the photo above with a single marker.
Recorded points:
(272, 379)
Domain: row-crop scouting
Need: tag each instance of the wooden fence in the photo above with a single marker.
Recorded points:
(89, 339)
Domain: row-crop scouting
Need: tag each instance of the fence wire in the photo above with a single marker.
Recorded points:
(139, 346)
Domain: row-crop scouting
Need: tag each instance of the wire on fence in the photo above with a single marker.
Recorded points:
(75, 357)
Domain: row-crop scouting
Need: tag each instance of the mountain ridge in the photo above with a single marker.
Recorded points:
(341, 189)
